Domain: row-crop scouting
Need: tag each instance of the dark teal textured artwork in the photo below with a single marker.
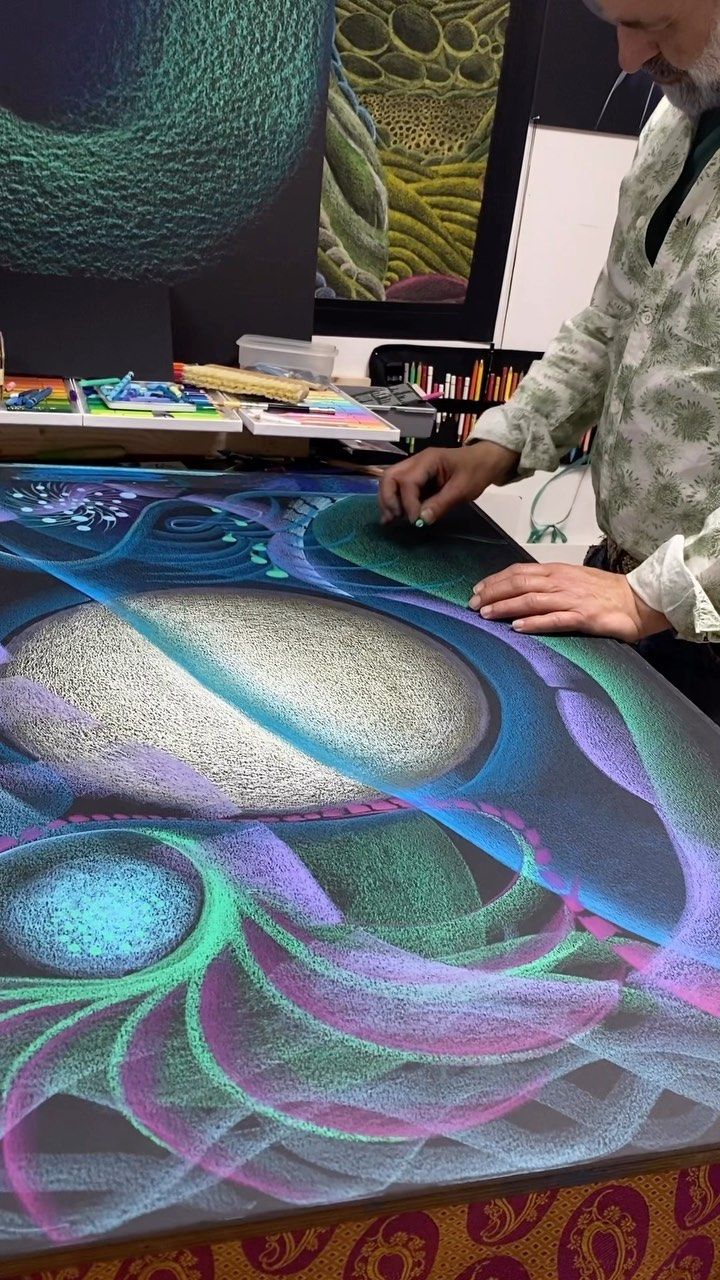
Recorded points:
(138, 139)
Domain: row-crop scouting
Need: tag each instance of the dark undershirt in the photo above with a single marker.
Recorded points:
(705, 144)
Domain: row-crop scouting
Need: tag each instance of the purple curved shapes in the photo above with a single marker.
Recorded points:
(483, 1015)
(263, 511)
(554, 670)
(124, 769)
(401, 1108)
(21, 698)
(287, 554)
(213, 1139)
(367, 956)
(603, 737)
(259, 861)
(30, 1088)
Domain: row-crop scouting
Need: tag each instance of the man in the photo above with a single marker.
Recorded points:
(644, 362)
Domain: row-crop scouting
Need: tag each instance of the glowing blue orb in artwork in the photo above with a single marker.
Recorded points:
(98, 910)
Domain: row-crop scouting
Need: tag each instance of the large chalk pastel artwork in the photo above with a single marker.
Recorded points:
(315, 887)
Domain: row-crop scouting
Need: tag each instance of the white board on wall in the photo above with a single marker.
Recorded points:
(563, 232)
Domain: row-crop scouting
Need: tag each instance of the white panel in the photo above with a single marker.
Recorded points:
(565, 229)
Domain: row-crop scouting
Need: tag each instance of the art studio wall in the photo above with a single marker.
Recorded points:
(563, 231)
(556, 67)
(174, 143)
(566, 207)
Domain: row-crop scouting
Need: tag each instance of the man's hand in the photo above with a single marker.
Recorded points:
(428, 486)
(541, 599)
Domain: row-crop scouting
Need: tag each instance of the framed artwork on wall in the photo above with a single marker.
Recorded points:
(428, 112)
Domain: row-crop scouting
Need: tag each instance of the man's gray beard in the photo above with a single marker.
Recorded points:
(699, 89)
(691, 98)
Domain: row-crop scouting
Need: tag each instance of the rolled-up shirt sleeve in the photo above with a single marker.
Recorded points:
(682, 580)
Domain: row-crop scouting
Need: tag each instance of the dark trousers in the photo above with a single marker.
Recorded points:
(694, 669)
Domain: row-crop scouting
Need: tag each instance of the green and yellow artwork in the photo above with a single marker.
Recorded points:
(411, 109)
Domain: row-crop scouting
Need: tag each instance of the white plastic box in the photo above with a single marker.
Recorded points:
(310, 359)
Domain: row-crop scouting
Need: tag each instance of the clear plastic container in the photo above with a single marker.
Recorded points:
(313, 360)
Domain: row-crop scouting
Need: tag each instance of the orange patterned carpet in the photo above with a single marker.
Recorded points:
(657, 1227)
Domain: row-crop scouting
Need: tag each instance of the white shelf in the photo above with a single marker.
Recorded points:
(509, 506)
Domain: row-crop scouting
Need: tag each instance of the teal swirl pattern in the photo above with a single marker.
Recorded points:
(175, 123)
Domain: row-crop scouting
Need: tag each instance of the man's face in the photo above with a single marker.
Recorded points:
(676, 41)
(677, 31)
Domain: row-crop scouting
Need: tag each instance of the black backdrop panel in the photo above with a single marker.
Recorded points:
(577, 77)
(66, 326)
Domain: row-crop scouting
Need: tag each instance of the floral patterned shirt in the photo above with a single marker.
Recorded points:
(643, 361)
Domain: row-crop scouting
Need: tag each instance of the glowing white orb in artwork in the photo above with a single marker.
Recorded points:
(283, 687)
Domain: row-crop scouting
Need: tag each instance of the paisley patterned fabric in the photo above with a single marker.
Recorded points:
(657, 1227)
